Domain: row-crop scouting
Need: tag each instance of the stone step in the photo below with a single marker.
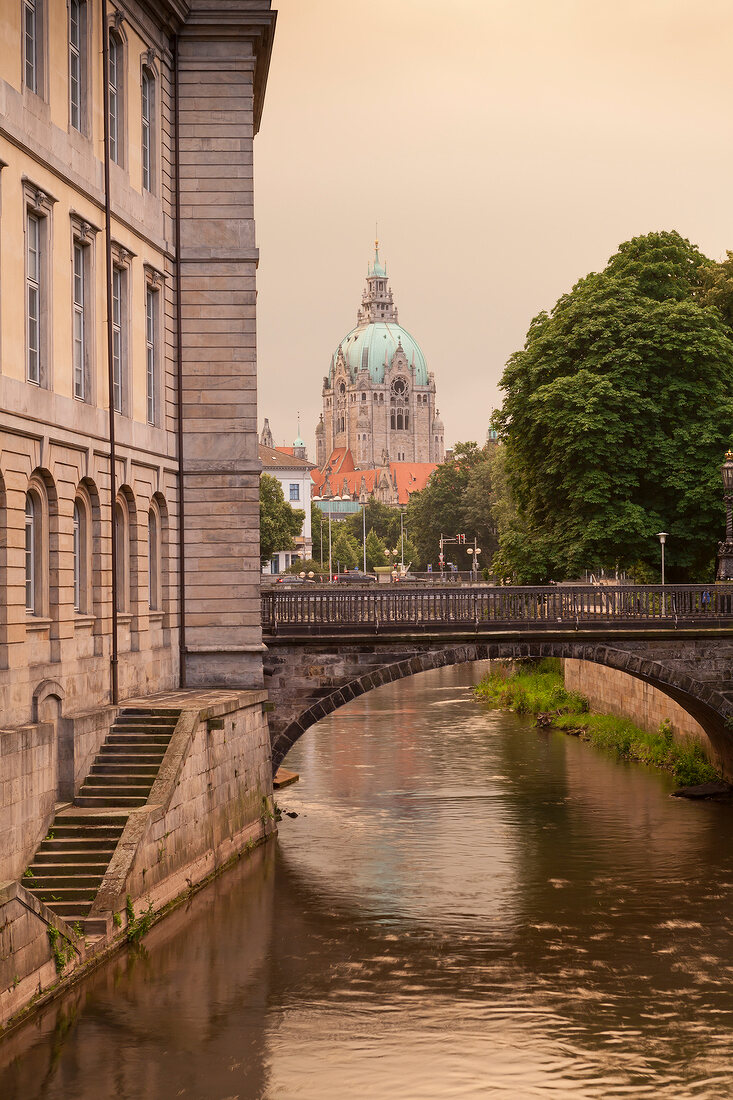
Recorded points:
(75, 843)
(50, 882)
(98, 834)
(113, 778)
(102, 786)
(64, 893)
(140, 738)
(143, 727)
(167, 713)
(147, 716)
(69, 817)
(70, 910)
(73, 857)
(115, 767)
(118, 801)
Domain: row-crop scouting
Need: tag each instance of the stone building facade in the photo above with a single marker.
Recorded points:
(379, 397)
(177, 349)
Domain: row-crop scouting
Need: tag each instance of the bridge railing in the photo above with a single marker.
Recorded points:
(333, 611)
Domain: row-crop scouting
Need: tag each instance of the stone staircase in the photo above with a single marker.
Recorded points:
(68, 868)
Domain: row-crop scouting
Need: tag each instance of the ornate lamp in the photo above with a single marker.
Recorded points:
(725, 549)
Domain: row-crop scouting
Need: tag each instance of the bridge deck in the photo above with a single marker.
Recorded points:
(326, 611)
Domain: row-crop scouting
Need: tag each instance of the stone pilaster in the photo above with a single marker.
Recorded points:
(223, 58)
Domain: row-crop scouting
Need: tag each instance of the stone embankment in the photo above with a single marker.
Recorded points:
(181, 783)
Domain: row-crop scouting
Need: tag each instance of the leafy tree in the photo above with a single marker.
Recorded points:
(344, 548)
(279, 523)
(380, 518)
(305, 565)
(718, 288)
(456, 500)
(617, 413)
(375, 551)
(319, 534)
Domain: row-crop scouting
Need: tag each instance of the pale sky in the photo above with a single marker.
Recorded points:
(506, 148)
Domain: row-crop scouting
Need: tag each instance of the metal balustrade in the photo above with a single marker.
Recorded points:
(397, 609)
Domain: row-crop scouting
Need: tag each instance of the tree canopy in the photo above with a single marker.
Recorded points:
(279, 523)
(616, 417)
(456, 500)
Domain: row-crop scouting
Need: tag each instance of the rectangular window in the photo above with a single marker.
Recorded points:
(114, 98)
(117, 348)
(33, 299)
(150, 350)
(294, 491)
(147, 104)
(30, 44)
(30, 557)
(79, 322)
(76, 16)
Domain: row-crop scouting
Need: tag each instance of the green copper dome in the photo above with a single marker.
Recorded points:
(366, 346)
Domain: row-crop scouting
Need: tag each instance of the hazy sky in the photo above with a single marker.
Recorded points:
(506, 148)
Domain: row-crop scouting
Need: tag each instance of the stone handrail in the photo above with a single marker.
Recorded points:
(326, 610)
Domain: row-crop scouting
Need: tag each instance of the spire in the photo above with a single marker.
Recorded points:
(266, 437)
(298, 444)
(376, 302)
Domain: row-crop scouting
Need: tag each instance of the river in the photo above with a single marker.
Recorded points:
(465, 906)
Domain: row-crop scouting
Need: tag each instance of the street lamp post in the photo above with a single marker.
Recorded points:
(725, 549)
(330, 561)
(474, 551)
(363, 526)
(662, 536)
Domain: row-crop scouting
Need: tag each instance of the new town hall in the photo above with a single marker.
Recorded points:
(380, 434)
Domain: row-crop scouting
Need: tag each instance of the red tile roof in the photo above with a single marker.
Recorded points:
(409, 477)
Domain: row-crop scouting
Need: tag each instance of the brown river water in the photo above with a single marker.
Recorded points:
(465, 906)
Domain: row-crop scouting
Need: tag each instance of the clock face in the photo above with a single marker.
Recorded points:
(399, 387)
(342, 388)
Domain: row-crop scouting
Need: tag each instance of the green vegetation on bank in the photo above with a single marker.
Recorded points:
(538, 688)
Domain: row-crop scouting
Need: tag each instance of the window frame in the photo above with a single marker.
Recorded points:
(294, 485)
(78, 52)
(154, 558)
(122, 545)
(34, 67)
(79, 296)
(116, 95)
(153, 345)
(83, 386)
(34, 286)
(31, 554)
(148, 128)
(38, 206)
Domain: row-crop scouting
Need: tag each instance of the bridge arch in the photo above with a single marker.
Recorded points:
(309, 679)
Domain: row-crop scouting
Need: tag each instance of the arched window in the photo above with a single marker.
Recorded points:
(400, 420)
(392, 422)
(407, 421)
(78, 555)
(123, 564)
(153, 560)
(31, 555)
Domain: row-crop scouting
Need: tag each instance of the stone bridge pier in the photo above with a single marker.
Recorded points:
(309, 676)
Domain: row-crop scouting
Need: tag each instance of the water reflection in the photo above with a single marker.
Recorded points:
(465, 906)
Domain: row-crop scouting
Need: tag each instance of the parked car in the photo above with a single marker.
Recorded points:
(293, 578)
(354, 578)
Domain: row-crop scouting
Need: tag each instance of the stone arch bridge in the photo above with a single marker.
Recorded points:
(327, 646)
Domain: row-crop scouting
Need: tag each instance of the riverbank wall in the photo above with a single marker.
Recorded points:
(211, 800)
(609, 691)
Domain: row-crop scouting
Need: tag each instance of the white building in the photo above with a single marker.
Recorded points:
(291, 467)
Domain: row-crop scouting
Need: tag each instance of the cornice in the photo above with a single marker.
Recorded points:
(230, 20)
